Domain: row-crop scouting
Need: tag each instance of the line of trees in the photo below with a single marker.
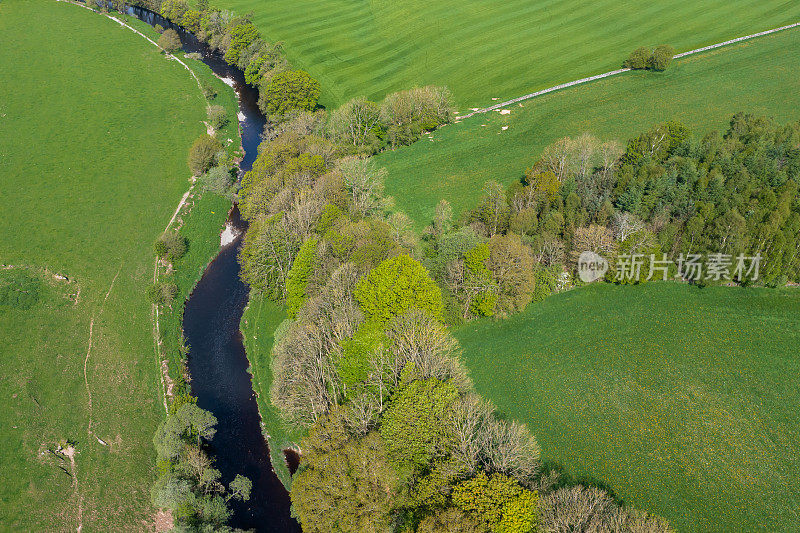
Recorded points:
(187, 483)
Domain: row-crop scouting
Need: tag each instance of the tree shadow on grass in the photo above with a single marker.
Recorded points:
(567, 479)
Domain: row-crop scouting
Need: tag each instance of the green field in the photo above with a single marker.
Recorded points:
(484, 49)
(703, 91)
(683, 401)
(94, 129)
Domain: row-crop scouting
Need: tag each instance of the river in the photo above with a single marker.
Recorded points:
(217, 360)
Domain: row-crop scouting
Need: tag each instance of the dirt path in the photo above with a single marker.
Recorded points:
(620, 71)
(89, 352)
(161, 363)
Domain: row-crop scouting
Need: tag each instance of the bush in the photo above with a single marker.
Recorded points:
(171, 245)
(203, 154)
(662, 57)
(162, 293)
(209, 92)
(218, 180)
(159, 28)
(639, 59)
(290, 90)
(217, 116)
(170, 41)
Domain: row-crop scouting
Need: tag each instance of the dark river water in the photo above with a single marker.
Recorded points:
(217, 360)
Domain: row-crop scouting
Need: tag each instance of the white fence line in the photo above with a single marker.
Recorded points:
(620, 71)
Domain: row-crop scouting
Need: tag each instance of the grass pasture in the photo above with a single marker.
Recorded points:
(682, 401)
(94, 129)
(702, 91)
(484, 49)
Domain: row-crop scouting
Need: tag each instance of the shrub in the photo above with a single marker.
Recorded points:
(396, 285)
(171, 245)
(639, 59)
(218, 180)
(209, 92)
(217, 116)
(169, 41)
(287, 91)
(162, 293)
(203, 154)
(662, 57)
(159, 28)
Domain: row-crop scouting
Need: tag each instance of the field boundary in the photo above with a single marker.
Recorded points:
(621, 70)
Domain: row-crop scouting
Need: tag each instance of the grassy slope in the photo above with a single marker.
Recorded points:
(682, 401)
(701, 91)
(487, 48)
(94, 128)
(259, 321)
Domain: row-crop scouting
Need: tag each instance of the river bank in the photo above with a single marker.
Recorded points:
(205, 330)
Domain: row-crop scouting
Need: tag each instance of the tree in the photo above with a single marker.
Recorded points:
(661, 58)
(397, 285)
(414, 426)
(174, 10)
(241, 36)
(350, 489)
(287, 91)
(298, 277)
(171, 246)
(595, 238)
(170, 41)
(356, 122)
(364, 181)
(189, 424)
(498, 502)
(203, 154)
(162, 293)
(267, 255)
(478, 284)
(218, 179)
(639, 59)
(493, 209)
(239, 488)
(191, 20)
(416, 338)
(511, 263)
(592, 510)
(449, 520)
(217, 117)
